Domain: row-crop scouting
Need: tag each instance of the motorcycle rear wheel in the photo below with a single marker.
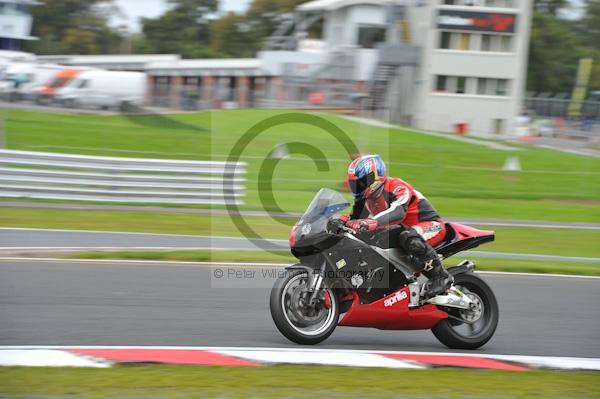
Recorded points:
(290, 320)
(477, 327)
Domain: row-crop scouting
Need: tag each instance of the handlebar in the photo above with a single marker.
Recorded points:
(336, 226)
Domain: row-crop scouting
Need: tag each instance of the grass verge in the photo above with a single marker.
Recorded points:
(291, 382)
(484, 264)
(459, 177)
(546, 241)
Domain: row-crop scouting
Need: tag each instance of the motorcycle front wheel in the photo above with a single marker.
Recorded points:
(469, 329)
(295, 318)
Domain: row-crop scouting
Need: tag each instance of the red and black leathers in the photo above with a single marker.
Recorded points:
(397, 202)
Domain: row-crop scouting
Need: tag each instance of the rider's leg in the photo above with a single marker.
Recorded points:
(418, 242)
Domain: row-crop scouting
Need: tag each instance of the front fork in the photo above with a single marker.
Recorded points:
(315, 284)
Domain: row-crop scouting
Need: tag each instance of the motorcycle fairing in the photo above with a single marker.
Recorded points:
(391, 313)
(461, 238)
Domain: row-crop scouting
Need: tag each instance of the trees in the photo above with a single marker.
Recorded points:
(554, 54)
(73, 27)
(242, 35)
(591, 39)
(558, 44)
(232, 36)
(591, 25)
(184, 29)
(550, 6)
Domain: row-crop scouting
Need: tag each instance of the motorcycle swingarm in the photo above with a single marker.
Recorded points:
(454, 298)
(466, 266)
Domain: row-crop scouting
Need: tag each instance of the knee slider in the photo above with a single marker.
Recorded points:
(413, 243)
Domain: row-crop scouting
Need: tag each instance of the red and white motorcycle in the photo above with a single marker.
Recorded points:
(343, 280)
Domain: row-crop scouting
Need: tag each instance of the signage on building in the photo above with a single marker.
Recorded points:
(477, 21)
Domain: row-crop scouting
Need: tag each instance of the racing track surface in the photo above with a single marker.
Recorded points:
(72, 239)
(94, 303)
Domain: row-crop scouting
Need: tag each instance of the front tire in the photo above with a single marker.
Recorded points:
(297, 323)
(478, 326)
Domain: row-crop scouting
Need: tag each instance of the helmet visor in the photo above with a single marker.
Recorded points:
(358, 186)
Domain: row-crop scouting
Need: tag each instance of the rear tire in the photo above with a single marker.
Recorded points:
(280, 303)
(448, 331)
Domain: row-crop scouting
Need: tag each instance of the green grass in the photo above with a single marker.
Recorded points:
(462, 179)
(483, 264)
(521, 240)
(530, 266)
(291, 382)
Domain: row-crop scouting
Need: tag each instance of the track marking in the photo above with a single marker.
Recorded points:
(30, 355)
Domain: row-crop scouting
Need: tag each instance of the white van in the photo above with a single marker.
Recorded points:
(20, 80)
(104, 89)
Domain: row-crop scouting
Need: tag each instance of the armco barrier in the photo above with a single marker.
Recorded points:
(43, 175)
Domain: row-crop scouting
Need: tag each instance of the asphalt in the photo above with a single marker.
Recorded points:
(72, 303)
(32, 239)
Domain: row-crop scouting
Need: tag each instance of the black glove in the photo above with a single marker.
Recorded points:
(335, 226)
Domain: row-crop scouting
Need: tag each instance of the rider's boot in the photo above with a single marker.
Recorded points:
(439, 279)
(426, 260)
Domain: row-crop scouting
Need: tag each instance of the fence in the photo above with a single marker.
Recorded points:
(41, 175)
(559, 107)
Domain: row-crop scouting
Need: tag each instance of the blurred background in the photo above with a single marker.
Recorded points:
(220, 120)
(489, 107)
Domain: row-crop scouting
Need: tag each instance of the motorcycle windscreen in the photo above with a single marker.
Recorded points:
(311, 230)
(326, 203)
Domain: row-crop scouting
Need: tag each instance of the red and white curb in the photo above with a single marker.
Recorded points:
(105, 356)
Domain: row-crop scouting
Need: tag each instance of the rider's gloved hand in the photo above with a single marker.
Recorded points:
(335, 225)
(362, 225)
(345, 218)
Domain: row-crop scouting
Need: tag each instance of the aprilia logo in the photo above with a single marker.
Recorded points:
(400, 296)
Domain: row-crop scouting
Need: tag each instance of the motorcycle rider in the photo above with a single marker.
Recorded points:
(382, 201)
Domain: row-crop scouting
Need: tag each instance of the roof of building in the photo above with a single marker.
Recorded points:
(225, 63)
(111, 58)
(329, 5)
(27, 2)
(16, 55)
(208, 67)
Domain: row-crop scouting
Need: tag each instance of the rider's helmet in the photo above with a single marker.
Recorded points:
(366, 175)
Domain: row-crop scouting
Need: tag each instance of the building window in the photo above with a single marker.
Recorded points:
(441, 83)
(471, 85)
(475, 42)
(446, 40)
(497, 43)
(369, 36)
(482, 86)
(500, 3)
(506, 44)
(486, 42)
(501, 89)
(464, 41)
(461, 84)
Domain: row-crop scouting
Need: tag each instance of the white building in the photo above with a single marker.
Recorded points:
(431, 64)
(474, 64)
(15, 23)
